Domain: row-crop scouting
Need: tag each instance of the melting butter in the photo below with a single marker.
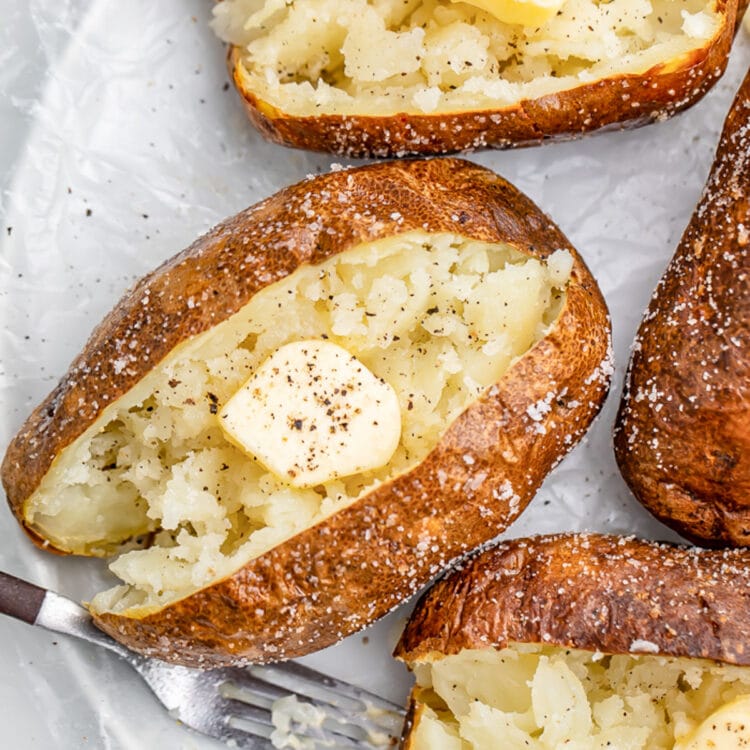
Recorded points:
(313, 412)
(523, 12)
(727, 728)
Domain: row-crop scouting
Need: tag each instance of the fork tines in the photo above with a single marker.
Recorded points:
(295, 706)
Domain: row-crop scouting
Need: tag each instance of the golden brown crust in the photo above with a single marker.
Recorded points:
(683, 431)
(338, 576)
(415, 709)
(616, 102)
(615, 595)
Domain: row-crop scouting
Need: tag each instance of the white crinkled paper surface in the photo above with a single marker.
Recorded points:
(121, 142)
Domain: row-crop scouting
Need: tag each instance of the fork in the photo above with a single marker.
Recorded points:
(243, 706)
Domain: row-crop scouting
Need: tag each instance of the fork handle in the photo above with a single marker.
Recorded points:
(20, 599)
(38, 606)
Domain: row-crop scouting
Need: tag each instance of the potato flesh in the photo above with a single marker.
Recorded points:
(438, 317)
(534, 697)
(381, 57)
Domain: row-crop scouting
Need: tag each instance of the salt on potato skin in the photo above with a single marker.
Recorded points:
(647, 640)
(452, 97)
(329, 581)
(682, 436)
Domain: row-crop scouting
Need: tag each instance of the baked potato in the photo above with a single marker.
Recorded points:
(290, 427)
(583, 641)
(682, 436)
(395, 77)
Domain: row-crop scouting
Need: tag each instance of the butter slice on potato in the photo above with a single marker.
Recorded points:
(312, 412)
(726, 728)
(523, 12)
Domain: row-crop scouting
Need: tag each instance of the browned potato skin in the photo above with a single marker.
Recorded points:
(332, 580)
(590, 592)
(584, 591)
(682, 438)
(613, 103)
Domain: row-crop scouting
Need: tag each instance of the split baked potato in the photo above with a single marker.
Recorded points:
(682, 437)
(395, 77)
(290, 427)
(583, 641)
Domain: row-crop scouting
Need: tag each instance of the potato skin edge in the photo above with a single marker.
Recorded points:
(414, 712)
(290, 600)
(586, 591)
(613, 103)
(592, 592)
(682, 436)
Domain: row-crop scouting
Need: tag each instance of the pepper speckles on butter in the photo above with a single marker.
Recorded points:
(727, 728)
(313, 412)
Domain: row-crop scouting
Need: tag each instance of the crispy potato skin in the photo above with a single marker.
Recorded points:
(682, 437)
(342, 574)
(612, 103)
(414, 712)
(590, 592)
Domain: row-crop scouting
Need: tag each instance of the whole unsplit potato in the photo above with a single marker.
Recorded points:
(439, 278)
(682, 437)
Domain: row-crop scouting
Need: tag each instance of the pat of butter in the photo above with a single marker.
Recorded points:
(726, 728)
(523, 12)
(313, 412)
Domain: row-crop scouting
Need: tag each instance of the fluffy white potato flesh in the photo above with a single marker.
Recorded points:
(382, 57)
(437, 317)
(312, 413)
(539, 697)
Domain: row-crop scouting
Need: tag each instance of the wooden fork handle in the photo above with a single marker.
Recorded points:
(20, 599)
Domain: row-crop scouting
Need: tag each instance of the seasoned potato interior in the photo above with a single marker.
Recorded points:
(437, 317)
(547, 697)
(313, 57)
